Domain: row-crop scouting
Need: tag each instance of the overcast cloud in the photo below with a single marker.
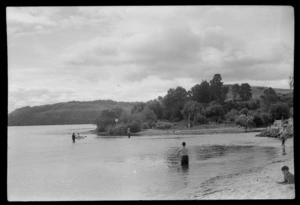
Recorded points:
(59, 54)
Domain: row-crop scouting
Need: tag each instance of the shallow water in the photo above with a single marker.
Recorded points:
(44, 164)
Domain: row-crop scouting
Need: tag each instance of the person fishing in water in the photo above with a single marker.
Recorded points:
(128, 132)
(184, 155)
(73, 137)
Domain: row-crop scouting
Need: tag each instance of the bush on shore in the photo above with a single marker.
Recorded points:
(162, 125)
(280, 110)
(200, 119)
(145, 125)
(258, 120)
(121, 129)
(242, 120)
(230, 116)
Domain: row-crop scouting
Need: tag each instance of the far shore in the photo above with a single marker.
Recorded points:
(188, 131)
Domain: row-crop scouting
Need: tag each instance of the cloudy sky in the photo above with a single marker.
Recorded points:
(60, 54)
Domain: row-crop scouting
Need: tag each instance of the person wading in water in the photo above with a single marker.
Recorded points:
(184, 155)
(73, 137)
(128, 132)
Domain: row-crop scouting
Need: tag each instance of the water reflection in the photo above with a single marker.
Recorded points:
(171, 157)
(214, 151)
(207, 152)
(184, 169)
(283, 151)
(184, 172)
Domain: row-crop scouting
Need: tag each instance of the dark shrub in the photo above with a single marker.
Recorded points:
(253, 104)
(279, 110)
(240, 120)
(135, 126)
(258, 120)
(162, 125)
(100, 127)
(214, 110)
(120, 130)
(250, 113)
(217, 119)
(231, 115)
(266, 117)
(145, 126)
(251, 123)
(244, 111)
(200, 119)
(107, 118)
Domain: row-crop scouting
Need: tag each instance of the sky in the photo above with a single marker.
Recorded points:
(137, 53)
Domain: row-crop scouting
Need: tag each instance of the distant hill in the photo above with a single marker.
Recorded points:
(74, 112)
(257, 91)
(77, 112)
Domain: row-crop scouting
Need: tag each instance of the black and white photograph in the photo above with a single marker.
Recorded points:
(143, 103)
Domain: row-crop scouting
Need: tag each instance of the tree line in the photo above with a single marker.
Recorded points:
(203, 103)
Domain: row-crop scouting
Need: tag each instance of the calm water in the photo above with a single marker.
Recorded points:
(44, 164)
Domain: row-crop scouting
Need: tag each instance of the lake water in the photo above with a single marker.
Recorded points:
(44, 164)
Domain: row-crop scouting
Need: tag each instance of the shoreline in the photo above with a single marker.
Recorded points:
(187, 131)
(252, 183)
(255, 183)
(196, 131)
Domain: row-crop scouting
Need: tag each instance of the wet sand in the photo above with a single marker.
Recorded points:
(259, 183)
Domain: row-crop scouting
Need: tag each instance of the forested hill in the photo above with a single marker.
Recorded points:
(74, 112)
(257, 91)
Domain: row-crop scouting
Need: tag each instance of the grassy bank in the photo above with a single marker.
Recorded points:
(196, 131)
(180, 128)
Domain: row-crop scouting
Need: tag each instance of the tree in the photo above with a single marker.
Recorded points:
(215, 111)
(258, 120)
(157, 107)
(150, 116)
(269, 97)
(117, 111)
(245, 92)
(230, 116)
(235, 91)
(218, 93)
(200, 93)
(107, 118)
(138, 107)
(193, 93)
(253, 104)
(244, 111)
(191, 109)
(280, 110)
(225, 90)
(200, 119)
(174, 102)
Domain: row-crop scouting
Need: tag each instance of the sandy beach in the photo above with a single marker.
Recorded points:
(257, 183)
